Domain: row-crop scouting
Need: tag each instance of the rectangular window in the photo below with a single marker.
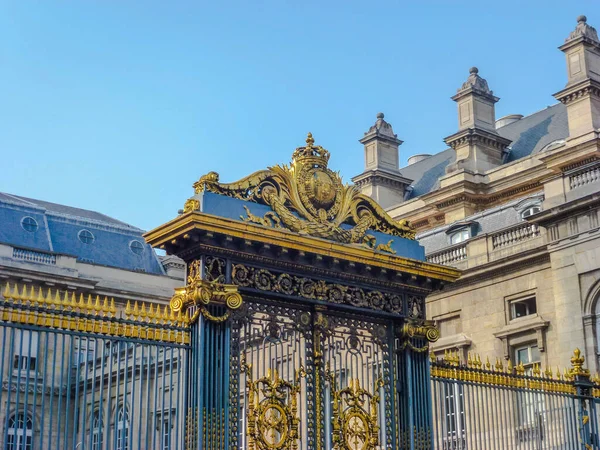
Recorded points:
(522, 307)
(166, 441)
(84, 350)
(530, 405)
(454, 407)
(25, 348)
(529, 355)
(460, 236)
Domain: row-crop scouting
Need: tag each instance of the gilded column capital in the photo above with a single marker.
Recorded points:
(201, 293)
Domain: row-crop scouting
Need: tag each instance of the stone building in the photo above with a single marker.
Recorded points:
(52, 252)
(513, 202)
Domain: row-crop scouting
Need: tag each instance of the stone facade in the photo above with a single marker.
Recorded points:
(515, 204)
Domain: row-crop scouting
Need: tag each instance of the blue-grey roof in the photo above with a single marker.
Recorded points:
(529, 135)
(58, 228)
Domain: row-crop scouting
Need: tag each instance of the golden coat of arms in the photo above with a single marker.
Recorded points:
(308, 198)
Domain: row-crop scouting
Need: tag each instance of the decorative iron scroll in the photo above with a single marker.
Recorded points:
(418, 329)
(354, 410)
(309, 198)
(201, 293)
(283, 283)
(273, 421)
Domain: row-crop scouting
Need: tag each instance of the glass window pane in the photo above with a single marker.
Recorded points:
(523, 355)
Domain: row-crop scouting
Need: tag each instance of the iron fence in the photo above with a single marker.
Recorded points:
(485, 406)
(77, 374)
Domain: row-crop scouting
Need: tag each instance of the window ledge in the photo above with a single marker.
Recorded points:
(455, 341)
(533, 322)
(528, 324)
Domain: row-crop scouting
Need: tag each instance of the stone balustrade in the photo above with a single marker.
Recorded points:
(450, 255)
(515, 235)
(591, 175)
(34, 256)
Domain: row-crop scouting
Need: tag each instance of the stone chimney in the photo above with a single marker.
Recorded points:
(581, 95)
(477, 145)
(382, 180)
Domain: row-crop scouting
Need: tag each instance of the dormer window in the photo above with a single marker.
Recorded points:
(460, 236)
(530, 211)
(462, 231)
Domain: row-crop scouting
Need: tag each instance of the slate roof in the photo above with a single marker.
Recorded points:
(58, 228)
(528, 135)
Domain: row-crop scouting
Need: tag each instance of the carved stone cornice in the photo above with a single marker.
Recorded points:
(473, 136)
(381, 178)
(579, 90)
(486, 199)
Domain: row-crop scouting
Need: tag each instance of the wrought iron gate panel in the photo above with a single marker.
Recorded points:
(275, 400)
(357, 397)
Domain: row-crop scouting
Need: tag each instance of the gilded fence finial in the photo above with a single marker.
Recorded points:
(577, 361)
(6, 293)
(509, 366)
(520, 369)
(536, 370)
(487, 363)
(432, 357)
(128, 309)
(499, 365)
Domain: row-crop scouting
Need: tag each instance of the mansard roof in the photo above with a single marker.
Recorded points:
(529, 136)
(58, 228)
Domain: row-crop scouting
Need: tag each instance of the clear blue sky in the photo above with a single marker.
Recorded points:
(119, 106)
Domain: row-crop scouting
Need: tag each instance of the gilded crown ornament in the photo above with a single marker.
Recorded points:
(310, 199)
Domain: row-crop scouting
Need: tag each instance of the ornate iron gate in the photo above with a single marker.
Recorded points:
(306, 303)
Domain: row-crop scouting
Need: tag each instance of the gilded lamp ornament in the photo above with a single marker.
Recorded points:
(310, 199)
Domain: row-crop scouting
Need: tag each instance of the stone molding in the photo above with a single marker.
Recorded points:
(473, 136)
(585, 88)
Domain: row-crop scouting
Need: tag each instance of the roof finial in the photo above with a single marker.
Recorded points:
(380, 115)
(581, 19)
(309, 140)
(474, 70)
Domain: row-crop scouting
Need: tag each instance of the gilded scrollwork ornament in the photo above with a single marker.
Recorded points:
(354, 416)
(422, 330)
(266, 280)
(309, 198)
(272, 413)
(191, 204)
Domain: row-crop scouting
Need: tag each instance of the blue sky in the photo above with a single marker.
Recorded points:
(119, 106)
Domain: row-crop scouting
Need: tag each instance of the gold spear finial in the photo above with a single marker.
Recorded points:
(577, 361)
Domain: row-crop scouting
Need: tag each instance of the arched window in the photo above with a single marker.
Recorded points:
(20, 432)
(123, 428)
(97, 430)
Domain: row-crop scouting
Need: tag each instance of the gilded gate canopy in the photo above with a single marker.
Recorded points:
(308, 198)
